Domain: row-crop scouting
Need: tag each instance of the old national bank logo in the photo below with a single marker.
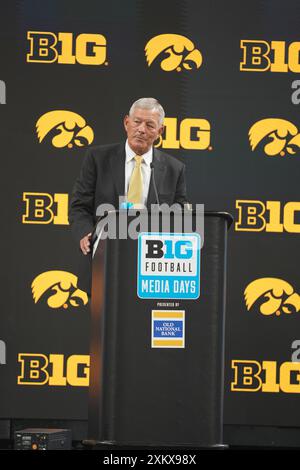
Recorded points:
(64, 128)
(168, 329)
(180, 51)
(59, 289)
(271, 296)
(275, 136)
(66, 48)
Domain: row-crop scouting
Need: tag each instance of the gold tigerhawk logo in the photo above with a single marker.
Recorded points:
(69, 129)
(272, 295)
(63, 287)
(277, 135)
(181, 52)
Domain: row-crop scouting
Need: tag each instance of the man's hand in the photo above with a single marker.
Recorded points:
(85, 244)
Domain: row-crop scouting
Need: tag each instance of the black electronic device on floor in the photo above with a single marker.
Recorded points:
(43, 439)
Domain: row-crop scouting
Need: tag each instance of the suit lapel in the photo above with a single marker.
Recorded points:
(117, 167)
(159, 169)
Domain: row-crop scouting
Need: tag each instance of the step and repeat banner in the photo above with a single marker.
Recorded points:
(227, 76)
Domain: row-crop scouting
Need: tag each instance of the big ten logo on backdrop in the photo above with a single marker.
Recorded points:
(271, 297)
(173, 52)
(53, 370)
(2, 92)
(270, 56)
(66, 48)
(189, 134)
(64, 129)
(265, 376)
(58, 289)
(45, 208)
(2, 352)
(268, 216)
(169, 265)
(275, 137)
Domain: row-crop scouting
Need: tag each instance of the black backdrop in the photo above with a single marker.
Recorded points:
(228, 100)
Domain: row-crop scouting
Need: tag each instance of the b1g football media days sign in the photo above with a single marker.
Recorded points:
(168, 266)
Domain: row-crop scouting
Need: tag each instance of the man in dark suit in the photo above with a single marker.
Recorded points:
(114, 170)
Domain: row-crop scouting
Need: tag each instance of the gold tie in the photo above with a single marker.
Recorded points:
(135, 190)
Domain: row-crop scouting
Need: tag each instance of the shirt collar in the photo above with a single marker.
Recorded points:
(130, 154)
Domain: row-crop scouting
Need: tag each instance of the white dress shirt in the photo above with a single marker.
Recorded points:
(146, 170)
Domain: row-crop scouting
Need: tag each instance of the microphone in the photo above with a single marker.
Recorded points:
(154, 183)
(94, 234)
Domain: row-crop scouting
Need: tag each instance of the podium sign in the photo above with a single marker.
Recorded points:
(168, 266)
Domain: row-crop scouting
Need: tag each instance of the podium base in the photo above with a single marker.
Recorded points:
(113, 445)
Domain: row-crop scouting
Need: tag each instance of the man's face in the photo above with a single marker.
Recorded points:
(142, 129)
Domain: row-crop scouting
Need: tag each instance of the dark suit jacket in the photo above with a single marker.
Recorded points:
(102, 180)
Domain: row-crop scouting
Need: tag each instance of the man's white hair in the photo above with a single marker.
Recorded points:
(149, 103)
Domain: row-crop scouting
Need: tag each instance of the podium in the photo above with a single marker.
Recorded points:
(157, 352)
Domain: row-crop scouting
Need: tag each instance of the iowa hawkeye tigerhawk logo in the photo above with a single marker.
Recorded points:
(59, 288)
(180, 52)
(272, 295)
(65, 128)
(276, 136)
